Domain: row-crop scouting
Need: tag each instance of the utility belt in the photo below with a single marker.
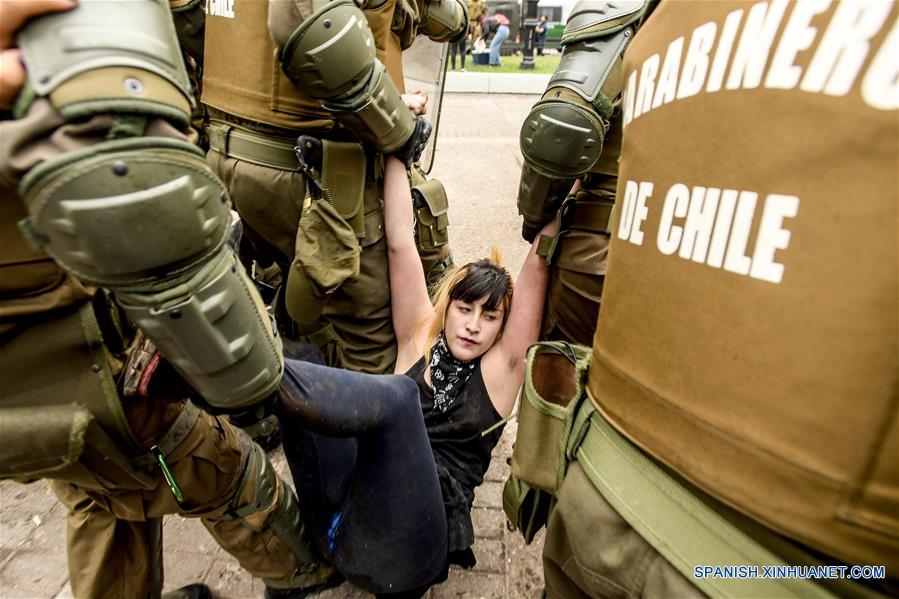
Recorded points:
(558, 423)
(66, 420)
(247, 145)
(273, 151)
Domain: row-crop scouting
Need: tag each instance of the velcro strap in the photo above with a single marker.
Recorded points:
(374, 227)
(173, 437)
(252, 147)
(545, 245)
(343, 180)
(590, 216)
(675, 521)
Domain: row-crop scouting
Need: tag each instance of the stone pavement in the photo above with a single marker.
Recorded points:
(479, 162)
(496, 83)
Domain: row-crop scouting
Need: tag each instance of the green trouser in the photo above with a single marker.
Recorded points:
(620, 523)
(625, 526)
(590, 551)
(269, 201)
(577, 268)
(114, 539)
(114, 517)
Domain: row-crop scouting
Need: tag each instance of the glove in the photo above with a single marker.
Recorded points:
(411, 151)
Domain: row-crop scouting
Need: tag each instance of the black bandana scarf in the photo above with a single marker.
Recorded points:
(448, 375)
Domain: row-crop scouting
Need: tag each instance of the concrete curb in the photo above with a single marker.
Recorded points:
(495, 83)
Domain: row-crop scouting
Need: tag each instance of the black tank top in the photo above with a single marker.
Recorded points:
(461, 453)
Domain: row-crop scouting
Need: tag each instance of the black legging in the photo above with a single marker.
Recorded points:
(460, 47)
(365, 475)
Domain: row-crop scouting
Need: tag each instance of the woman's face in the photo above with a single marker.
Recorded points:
(470, 329)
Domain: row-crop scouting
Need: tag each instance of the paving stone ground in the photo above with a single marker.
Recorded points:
(478, 161)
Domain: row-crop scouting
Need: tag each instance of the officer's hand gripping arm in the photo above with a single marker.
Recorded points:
(141, 213)
(562, 137)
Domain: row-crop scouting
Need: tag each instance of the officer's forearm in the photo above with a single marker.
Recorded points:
(330, 56)
(89, 198)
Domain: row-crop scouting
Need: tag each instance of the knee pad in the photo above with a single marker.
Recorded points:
(108, 57)
(445, 20)
(331, 57)
(146, 218)
(264, 500)
(562, 137)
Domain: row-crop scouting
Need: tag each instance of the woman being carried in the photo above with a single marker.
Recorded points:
(386, 466)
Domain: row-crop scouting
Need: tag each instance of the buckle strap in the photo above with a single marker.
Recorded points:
(591, 215)
(675, 521)
(173, 437)
(252, 147)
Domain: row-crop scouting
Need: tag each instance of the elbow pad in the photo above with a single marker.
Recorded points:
(108, 57)
(562, 136)
(444, 20)
(144, 216)
(331, 57)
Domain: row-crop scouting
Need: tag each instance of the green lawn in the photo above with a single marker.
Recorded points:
(542, 64)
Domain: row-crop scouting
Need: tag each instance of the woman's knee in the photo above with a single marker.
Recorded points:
(400, 397)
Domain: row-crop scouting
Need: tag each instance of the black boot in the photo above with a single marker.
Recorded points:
(191, 591)
(335, 579)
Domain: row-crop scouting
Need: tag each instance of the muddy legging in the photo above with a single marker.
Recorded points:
(365, 475)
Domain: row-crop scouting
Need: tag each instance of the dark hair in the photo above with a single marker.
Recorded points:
(469, 284)
(484, 278)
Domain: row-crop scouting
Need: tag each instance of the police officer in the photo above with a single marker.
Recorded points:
(267, 79)
(111, 219)
(739, 432)
(577, 179)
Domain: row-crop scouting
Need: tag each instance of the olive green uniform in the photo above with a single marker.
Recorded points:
(50, 330)
(65, 414)
(261, 104)
(580, 106)
(579, 255)
(725, 370)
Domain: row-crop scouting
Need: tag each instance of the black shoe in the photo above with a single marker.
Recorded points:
(336, 579)
(191, 591)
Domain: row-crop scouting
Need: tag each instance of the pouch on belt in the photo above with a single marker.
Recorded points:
(332, 225)
(553, 390)
(431, 208)
(327, 254)
(431, 219)
(343, 180)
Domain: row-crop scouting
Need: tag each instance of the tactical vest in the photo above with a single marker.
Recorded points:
(242, 75)
(749, 334)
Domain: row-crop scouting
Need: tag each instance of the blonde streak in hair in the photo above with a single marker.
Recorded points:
(496, 255)
(441, 304)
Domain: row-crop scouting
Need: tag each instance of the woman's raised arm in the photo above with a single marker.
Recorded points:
(409, 300)
(503, 367)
